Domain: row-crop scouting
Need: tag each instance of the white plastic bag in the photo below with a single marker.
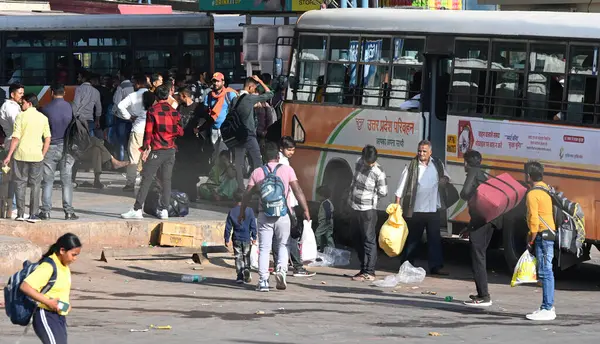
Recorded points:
(407, 274)
(254, 257)
(332, 257)
(525, 270)
(308, 243)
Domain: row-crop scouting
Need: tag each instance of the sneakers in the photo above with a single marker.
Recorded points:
(542, 315)
(239, 279)
(302, 272)
(33, 219)
(163, 214)
(247, 276)
(363, 277)
(133, 214)
(263, 286)
(280, 278)
(20, 218)
(478, 301)
(71, 216)
(129, 188)
(44, 216)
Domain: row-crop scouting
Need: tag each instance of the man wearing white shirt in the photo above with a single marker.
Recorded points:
(287, 148)
(419, 195)
(131, 108)
(8, 113)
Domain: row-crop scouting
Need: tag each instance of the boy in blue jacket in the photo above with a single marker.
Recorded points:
(244, 236)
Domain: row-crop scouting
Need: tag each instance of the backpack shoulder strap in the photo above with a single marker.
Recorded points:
(52, 279)
(276, 168)
(266, 170)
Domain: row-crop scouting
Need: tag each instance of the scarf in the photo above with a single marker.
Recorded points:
(221, 98)
(410, 189)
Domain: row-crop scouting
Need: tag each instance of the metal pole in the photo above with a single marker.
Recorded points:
(365, 4)
(344, 3)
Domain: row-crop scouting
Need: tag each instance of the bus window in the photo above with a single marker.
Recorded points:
(547, 68)
(374, 68)
(100, 39)
(104, 62)
(313, 47)
(311, 81)
(344, 48)
(29, 68)
(506, 80)
(195, 38)
(406, 73)
(153, 60)
(35, 40)
(155, 38)
(469, 76)
(582, 84)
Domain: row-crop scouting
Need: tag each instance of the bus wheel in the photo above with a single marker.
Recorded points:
(338, 177)
(514, 239)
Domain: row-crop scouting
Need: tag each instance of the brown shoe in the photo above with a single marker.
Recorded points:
(117, 164)
(439, 272)
(363, 277)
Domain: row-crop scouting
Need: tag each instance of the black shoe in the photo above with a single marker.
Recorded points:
(439, 272)
(71, 216)
(44, 216)
(129, 188)
(247, 276)
(98, 185)
(479, 302)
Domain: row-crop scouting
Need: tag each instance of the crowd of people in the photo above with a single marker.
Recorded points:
(126, 120)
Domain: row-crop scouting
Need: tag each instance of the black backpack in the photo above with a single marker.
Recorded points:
(233, 129)
(179, 206)
(77, 138)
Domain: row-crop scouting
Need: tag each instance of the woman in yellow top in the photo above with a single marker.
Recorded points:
(49, 320)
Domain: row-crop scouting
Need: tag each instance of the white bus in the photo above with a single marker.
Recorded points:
(513, 85)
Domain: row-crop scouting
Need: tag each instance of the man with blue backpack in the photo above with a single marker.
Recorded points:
(273, 182)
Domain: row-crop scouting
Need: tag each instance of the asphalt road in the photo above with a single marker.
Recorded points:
(109, 300)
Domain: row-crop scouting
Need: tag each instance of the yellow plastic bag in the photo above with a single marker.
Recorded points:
(525, 271)
(394, 231)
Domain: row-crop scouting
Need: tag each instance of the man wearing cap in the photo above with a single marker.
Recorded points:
(218, 103)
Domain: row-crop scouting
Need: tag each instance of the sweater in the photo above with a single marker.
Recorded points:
(244, 232)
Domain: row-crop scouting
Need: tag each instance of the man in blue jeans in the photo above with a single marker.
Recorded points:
(60, 114)
(539, 219)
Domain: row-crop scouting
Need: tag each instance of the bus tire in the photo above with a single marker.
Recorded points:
(514, 236)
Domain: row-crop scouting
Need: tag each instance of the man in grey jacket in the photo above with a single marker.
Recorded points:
(87, 104)
(244, 106)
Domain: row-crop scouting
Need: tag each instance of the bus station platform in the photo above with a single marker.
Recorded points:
(100, 227)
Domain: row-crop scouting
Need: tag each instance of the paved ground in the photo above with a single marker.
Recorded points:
(108, 203)
(111, 299)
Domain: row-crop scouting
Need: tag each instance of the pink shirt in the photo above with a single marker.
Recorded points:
(286, 173)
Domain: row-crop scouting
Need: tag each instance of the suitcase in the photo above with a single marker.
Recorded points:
(498, 195)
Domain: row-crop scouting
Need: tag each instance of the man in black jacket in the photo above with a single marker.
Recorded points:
(480, 232)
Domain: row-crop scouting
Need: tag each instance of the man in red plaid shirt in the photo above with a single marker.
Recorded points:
(163, 126)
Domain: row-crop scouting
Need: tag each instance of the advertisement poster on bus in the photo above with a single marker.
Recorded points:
(430, 4)
(258, 5)
(371, 52)
(511, 139)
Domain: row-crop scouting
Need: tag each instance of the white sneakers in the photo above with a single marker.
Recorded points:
(542, 315)
(163, 214)
(138, 215)
(133, 214)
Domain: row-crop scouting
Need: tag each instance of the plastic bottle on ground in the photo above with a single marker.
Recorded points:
(192, 278)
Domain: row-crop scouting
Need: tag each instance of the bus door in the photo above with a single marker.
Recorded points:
(434, 102)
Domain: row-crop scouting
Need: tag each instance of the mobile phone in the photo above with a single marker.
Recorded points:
(63, 306)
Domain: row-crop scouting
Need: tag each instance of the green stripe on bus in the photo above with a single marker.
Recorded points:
(330, 141)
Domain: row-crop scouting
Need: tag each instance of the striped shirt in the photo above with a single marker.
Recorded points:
(368, 186)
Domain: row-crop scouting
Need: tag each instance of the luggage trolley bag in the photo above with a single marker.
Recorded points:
(498, 195)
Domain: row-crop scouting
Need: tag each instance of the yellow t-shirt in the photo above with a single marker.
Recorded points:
(62, 287)
(31, 127)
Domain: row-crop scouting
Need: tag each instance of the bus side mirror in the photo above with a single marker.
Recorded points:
(277, 67)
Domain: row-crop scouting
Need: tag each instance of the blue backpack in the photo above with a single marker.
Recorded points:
(272, 194)
(20, 307)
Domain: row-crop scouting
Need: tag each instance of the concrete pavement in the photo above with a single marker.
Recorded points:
(100, 224)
